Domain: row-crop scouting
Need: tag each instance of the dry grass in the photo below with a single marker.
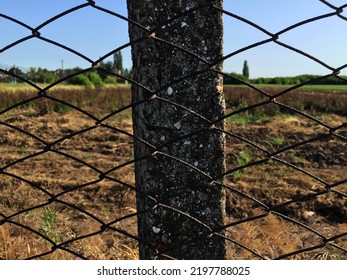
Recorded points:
(109, 200)
(319, 101)
(95, 100)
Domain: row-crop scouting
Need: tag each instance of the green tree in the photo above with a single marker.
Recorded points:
(233, 79)
(128, 73)
(45, 76)
(107, 67)
(245, 70)
(31, 75)
(118, 62)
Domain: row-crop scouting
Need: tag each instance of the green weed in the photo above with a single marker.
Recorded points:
(23, 148)
(245, 118)
(243, 158)
(49, 222)
(276, 140)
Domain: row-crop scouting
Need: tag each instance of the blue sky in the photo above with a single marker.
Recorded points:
(85, 31)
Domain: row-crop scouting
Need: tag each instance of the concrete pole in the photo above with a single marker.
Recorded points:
(180, 207)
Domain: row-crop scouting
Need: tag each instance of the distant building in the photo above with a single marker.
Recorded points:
(3, 78)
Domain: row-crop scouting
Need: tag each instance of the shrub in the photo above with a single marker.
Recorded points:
(95, 79)
(81, 80)
(110, 80)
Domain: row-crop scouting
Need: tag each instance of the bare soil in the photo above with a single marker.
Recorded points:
(69, 173)
(300, 186)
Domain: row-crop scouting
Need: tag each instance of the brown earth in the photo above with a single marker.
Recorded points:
(275, 183)
(31, 177)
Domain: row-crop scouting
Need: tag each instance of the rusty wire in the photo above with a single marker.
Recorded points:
(267, 155)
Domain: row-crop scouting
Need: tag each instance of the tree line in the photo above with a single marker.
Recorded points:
(102, 75)
(236, 79)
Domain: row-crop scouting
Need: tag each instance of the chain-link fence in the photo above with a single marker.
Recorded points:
(67, 182)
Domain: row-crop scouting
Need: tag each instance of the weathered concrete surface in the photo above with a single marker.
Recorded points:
(168, 181)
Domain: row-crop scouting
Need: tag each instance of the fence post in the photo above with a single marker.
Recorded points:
(179, 205)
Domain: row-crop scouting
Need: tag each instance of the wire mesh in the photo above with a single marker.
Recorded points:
(66, 171)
